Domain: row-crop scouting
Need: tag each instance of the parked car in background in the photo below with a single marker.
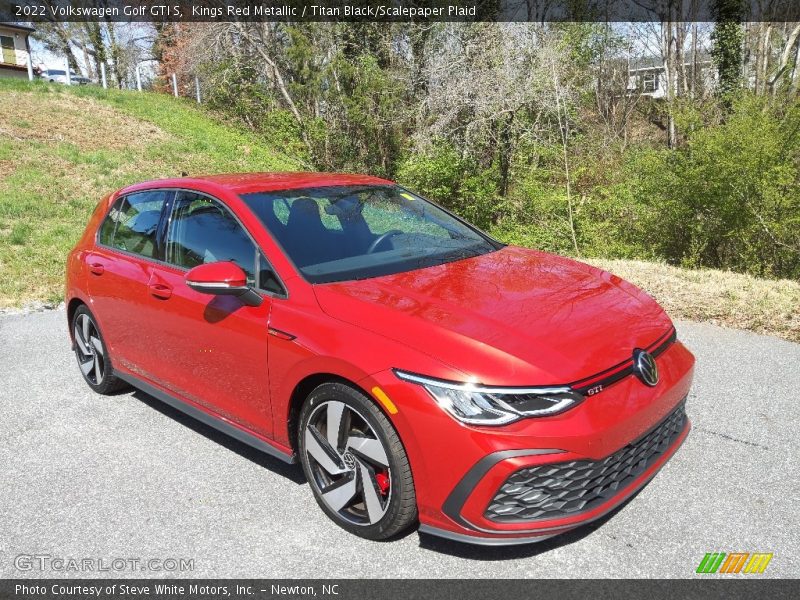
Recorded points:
(419, 370)
(80, 80)
(60, 76)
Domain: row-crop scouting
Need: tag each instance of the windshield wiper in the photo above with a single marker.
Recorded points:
(461, 254)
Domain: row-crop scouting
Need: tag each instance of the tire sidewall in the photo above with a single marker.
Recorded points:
(369, 411)
(108, 369)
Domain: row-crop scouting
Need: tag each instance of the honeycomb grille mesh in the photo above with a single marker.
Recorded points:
(564, 489)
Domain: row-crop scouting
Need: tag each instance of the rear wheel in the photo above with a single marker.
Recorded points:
(355, 463)
(92, 354)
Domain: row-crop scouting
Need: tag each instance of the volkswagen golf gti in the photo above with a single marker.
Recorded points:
(419, 371)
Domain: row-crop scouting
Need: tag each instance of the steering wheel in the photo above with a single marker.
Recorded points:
(382, 238)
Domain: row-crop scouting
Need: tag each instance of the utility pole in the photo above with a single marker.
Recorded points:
(30, 59)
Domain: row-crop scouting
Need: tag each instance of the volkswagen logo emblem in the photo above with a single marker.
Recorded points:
(644, 367)
(349, 460)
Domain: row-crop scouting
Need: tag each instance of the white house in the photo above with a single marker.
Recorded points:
(646, 76)
(15, 60)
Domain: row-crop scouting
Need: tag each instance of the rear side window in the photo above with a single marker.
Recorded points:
(106, 235)
(201, 230)
(132, 223)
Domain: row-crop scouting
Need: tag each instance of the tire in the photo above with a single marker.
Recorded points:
(92, 354)
(367, 450)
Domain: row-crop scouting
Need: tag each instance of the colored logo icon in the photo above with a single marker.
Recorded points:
(734, 562)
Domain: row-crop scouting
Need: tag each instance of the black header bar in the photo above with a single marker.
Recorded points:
(37, 11)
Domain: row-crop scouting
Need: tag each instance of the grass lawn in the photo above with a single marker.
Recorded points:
(63, 148)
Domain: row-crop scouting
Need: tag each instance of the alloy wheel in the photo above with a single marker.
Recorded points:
(89, 349)
(348, 462)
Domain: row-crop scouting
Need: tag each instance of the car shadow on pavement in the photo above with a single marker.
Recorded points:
(291, 472)
(489, 553)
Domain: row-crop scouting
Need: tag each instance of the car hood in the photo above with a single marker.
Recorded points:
(510, 317)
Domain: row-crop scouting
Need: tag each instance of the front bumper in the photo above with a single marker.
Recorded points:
(460, 471)
(483, 537)
(559, 490)
(537, 530)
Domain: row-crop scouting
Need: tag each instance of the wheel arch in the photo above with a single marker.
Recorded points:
(303, 389)
(72, 307)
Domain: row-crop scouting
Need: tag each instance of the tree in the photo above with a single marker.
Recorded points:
(56, 37)
(726, 48)
(790, 45)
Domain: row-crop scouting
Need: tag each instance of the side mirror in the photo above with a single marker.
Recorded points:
(222, 279)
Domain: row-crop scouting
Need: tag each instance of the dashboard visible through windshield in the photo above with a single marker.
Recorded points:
(342, 233)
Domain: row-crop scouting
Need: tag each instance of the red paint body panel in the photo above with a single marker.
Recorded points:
(513, 317)
(212, 350)
(219, 272)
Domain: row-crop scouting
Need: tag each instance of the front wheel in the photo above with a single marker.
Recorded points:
(355, 463)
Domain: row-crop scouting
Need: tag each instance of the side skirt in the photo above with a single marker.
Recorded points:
(208, 419)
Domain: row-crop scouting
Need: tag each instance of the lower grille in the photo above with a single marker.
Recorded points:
(564, 489)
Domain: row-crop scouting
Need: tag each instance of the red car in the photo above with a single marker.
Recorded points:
(419, 370)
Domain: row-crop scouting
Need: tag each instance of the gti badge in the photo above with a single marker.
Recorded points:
(644, 367)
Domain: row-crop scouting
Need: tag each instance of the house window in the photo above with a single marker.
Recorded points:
(650, 81)
(7, 44)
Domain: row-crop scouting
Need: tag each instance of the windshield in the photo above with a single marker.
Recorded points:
(353, 232)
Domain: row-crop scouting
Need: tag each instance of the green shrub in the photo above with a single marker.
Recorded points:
(729, 199)
(459, 184)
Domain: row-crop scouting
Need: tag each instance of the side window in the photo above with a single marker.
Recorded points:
(106, 235)
(9, 55)
(201, 230)
(132, 223)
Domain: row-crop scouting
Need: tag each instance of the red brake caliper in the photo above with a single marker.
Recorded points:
(382, 479)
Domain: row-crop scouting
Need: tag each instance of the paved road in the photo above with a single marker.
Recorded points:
(126, 477)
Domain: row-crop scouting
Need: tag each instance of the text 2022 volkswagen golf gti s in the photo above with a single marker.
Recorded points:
(420, 371)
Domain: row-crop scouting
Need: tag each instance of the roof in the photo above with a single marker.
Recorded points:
(244, 183)
(27, 28)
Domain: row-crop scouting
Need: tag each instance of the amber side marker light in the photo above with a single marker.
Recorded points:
(384, 400)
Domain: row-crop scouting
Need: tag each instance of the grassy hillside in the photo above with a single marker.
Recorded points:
(62, 149)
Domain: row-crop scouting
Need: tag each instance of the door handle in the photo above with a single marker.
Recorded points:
(97, 268)
(159, 290)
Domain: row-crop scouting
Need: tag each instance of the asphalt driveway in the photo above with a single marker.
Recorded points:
(84, 476)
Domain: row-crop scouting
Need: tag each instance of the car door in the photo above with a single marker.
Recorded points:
(120, 268)
(212, 350)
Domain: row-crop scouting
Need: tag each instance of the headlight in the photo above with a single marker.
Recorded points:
(486, 405)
